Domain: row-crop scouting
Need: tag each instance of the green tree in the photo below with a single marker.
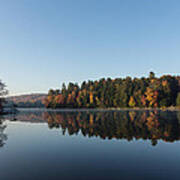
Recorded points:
(151, 75)
(146, 92)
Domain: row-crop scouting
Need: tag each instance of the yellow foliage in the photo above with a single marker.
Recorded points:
(91, 98)
(91, 119)
(132, 102)
(132, 115)
(164, 83)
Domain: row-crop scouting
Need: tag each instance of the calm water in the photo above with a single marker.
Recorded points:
(90, 145)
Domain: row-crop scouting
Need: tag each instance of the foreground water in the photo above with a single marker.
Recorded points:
(90, 145)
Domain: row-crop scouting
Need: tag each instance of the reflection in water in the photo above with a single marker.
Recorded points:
(152, 125)
(3, 136)
(37, 151)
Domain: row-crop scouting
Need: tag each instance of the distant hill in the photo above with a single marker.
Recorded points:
(30, 100)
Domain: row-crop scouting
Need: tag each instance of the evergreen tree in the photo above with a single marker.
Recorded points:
(127, 92)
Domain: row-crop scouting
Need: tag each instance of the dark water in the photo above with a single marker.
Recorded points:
(90, 145)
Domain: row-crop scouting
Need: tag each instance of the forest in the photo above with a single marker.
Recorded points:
(145, 92)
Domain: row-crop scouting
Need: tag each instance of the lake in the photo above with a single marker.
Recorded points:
(74, 144)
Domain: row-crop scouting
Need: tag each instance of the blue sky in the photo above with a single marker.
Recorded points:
(44, 43)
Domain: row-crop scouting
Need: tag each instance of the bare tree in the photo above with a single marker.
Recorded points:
(3, 92)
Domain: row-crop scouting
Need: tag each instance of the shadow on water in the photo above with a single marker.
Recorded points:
(129, 125)
(3, 136)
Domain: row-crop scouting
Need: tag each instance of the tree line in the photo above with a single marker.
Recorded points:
(118, 93)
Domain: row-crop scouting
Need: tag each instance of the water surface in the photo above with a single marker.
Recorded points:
(90, 145)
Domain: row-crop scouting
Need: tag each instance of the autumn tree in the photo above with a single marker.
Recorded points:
(132, 102)
(118, 93)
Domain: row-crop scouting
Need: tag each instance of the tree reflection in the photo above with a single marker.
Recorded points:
(3, 136)
(129, 125)
(152, 125)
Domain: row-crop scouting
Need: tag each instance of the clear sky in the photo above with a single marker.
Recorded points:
(44, 43)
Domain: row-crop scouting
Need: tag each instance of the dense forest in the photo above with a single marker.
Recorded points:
(118, 93)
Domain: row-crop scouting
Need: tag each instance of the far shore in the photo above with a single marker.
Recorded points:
(97, 109)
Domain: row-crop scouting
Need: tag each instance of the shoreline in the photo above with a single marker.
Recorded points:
(96, 109)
